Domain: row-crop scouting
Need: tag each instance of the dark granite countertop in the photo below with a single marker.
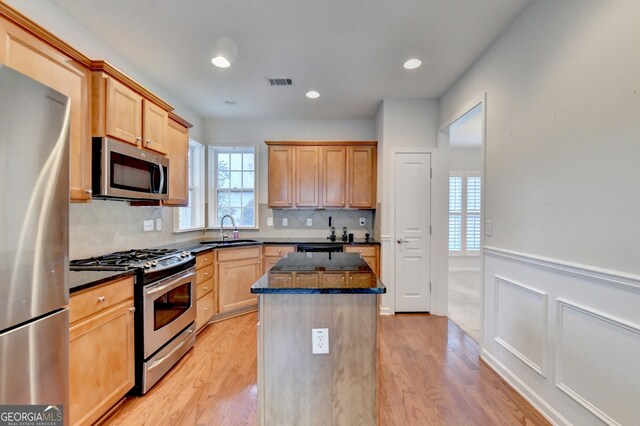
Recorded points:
(81, 280)
(323, 273)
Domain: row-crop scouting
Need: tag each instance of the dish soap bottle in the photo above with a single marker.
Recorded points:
(235, 233)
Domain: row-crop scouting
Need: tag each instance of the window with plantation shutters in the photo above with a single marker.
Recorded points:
(465, 201)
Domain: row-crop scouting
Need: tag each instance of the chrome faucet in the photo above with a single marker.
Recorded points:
(233, 223)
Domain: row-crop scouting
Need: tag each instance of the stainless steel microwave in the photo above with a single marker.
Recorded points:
(125, 172)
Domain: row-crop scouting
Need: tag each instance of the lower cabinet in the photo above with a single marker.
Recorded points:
(370, 254)
(205, 289)
(238, 269)
(101, 349)
(272, 254)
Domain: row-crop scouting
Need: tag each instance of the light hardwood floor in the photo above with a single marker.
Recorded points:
(429, 374)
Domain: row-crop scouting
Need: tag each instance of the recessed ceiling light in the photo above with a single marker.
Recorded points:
(220, 62)
(412, 63)
(312, 94)
(230, 102)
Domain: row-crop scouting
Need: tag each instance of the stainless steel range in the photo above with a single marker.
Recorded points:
(165, 295)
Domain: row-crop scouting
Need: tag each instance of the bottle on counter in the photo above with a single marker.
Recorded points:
(235, 233)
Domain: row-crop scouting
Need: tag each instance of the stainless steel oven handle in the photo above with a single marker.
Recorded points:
(177, 281)
(164, 358)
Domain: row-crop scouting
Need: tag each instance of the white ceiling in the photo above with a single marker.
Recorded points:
(350, 51)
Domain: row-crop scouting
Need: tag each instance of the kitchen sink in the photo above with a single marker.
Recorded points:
(228, 242)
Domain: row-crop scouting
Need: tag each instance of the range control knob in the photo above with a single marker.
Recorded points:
(146, 265)
(185, 254)
(154, 263)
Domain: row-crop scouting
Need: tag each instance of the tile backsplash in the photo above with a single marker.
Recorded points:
(102, 227)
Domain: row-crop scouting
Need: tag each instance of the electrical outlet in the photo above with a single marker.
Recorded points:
(362, 221)
(285, 221)
(270, 221)
(309, 222)
(158, 224)
(320, 340)
(147, 225)
(488, 228)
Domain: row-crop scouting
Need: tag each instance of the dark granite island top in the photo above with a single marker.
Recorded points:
(324, 273)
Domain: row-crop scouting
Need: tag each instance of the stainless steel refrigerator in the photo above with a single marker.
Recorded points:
(34, 243)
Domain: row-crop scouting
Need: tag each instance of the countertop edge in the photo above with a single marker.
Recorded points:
(107, 276)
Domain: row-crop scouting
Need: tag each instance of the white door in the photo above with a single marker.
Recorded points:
(413, 239)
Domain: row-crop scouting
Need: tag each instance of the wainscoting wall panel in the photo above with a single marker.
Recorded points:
(566, 336)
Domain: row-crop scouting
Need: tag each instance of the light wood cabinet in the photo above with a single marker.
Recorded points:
(322, 174)
(177, 152)
(334, 176)
(361, 166)
(206, 292)
(237, 270)
(272, 254)
(280, 177)
(30, 55)
(306, 173)
(120, 112)
(370, 254)
(101, 349)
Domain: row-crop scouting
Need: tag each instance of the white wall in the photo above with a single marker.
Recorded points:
(56, 21)
(256, 131)
(409, 124)
(562, 181)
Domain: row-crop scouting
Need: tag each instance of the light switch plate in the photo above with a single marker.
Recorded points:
(309, 222)
(147, 225)
(158, 224)
(285, 221)
(269, 221)
(488, 227)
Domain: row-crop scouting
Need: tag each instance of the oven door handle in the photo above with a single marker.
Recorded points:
(172, 284)
(164, 358)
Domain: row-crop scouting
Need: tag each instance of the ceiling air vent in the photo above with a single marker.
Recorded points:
(280, 82)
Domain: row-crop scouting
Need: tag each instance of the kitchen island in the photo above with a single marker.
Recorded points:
(301, 295)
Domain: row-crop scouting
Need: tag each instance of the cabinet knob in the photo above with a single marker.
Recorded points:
(132, 309)
(88, 191)
(205, 274)
(206, 309)
(148, 142)
(101, 298)
(138, 138)
(205, 259)
(258, 262)
(206, 288)
(279, 252)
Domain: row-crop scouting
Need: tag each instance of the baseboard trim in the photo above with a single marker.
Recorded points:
(386, 311)
(608, 277)
(523, 389)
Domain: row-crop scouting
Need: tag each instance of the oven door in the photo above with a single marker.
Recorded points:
(169, 307)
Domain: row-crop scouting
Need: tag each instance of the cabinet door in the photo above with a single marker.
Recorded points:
(38, 60)
(154, 121)
(307, 176)
(370, 254)
(280, 176)
(334, 176)
(362, 177)
(178, 151)
(101, 364)
(235, 279)
(124, 113)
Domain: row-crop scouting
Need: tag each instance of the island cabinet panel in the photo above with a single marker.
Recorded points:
(370, 254)
(362, 176)
(307, 176)
(334, 176)
(280, 171)
(237, 270)
(296, 387)
(37, 59)
(101, 350)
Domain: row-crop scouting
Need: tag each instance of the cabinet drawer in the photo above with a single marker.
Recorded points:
(205, 311)
(226, 255)
(99, 298)
(204, 288)
(361, 250)
(204, 274)
(277, 251)
(204, 259)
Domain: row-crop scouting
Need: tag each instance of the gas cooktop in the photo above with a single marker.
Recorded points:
(149, 259)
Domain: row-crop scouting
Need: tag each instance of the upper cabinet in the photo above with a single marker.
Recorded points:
(122, 113)
(322, 174)
(177, 151)
(23, 51)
